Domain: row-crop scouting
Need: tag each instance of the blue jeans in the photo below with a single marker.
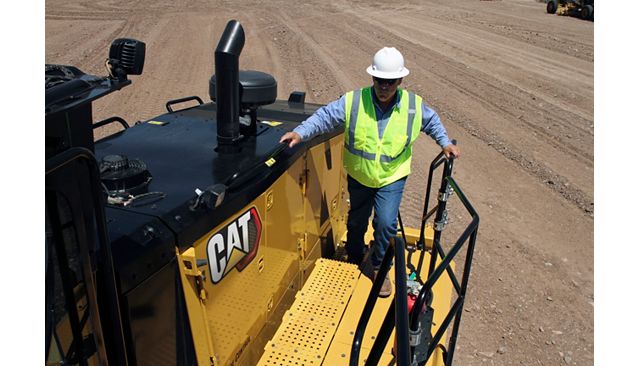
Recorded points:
(385, 202)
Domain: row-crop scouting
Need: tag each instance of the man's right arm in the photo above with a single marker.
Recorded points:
(325, 119)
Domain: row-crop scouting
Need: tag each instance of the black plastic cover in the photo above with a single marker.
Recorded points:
(256, 88)
(141, 245)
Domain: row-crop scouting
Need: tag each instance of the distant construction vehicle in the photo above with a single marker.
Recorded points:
(582, 9)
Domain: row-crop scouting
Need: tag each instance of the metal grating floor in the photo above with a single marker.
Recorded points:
(310, 324)
(237, 304)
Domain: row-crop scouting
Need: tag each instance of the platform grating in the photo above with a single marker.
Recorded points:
(310, 324)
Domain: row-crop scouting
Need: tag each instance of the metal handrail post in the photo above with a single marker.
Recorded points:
(434, 164)
(425, 213)
(403, 350)
(369, 305)
(442, 205)
(382, 338)
(463, 292)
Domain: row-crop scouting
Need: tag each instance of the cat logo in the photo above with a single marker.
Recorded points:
(235, 245)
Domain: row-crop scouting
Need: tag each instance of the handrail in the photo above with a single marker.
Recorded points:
(426, 213)
(439, 209)
(182, 100)
(469, 235)
(110, 120)
(440, 218)
(439, 159)
(403, 349)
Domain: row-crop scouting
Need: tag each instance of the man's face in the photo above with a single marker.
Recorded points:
(385, 88)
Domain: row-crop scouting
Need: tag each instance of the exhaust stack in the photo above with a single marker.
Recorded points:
(228, 85)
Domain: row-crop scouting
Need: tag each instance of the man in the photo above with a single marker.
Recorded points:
(381, 124)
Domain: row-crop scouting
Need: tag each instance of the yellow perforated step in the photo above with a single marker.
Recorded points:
(309, 326)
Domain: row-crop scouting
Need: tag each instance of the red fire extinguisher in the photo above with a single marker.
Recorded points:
(411, 300)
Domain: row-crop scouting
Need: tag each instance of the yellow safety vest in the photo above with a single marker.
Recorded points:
(372, 161)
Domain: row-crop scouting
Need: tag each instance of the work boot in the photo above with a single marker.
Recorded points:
(385, 290)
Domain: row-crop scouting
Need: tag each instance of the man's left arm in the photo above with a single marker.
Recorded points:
(432, 126)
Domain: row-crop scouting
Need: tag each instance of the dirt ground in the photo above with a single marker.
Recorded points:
(514, 86)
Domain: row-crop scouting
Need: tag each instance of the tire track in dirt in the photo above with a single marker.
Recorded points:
(280, 38)
(552, 41)
(305, 60)
(85, 16)
(81, 47)
(325, 57)
(417, 42)
(512, 53)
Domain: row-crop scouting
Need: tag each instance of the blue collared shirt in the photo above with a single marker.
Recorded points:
(332, 116)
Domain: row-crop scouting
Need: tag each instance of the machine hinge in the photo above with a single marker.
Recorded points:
(269, 200)
(302, 243)
(192, 269)
(444, 196)
(304, 176)
(439, 225)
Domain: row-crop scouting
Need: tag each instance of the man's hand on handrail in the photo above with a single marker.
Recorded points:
(451, 150)
(292, 137)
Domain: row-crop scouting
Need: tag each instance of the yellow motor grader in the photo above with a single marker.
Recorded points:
(582, 9)
(196, 238)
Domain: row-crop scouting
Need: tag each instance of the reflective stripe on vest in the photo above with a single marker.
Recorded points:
(380, 161)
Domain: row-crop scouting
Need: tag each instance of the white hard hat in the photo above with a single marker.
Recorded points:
(388, 63)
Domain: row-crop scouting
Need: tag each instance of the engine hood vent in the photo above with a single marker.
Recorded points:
(120, 174)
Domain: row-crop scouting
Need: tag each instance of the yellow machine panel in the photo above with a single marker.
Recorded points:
(255, 264)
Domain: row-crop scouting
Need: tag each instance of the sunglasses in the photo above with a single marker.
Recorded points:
(385, 81)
